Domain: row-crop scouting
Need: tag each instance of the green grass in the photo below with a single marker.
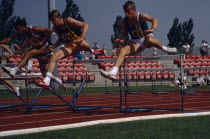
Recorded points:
(171, 128)
(4, 93)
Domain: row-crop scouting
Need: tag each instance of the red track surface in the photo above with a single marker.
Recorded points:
(17, 118)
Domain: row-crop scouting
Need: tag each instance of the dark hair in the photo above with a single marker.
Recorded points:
(53, 14)
(129, 3)
(20, 22)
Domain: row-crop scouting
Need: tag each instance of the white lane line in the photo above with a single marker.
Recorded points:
(83, 124)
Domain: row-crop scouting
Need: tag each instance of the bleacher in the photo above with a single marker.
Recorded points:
(140, 75)
(196, 61)
(65, 68)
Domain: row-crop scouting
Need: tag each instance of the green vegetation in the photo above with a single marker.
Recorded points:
(171, 128)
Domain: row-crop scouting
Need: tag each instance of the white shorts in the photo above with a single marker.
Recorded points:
(176, 83)
(140, 41)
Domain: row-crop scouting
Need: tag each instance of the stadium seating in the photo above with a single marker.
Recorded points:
(196, 61)
(65, 68)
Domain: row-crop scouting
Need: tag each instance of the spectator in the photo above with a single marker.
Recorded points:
(104, 49)
(200, 81)
(114, 52)
(96, 47)
(155, 51)
(186, 49)
(80, 56)
(204, 48)
(184, 81)
(207, 78)
(175, 82)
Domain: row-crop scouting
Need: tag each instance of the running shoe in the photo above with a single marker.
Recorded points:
(17, 91)
(108, 74)
(171, 51)
(9, 71)
(42, 84)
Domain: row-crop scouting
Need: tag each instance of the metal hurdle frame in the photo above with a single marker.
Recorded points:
(26, 102)
(75, 107)
(32, 105)
(164, 57)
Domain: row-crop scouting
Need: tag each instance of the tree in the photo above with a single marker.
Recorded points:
(7, 20)
(187, 28)
(6, 11)
(72, 10)
(181, 33)
(117, 31)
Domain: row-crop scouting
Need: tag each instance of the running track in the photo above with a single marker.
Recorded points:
(17, 118)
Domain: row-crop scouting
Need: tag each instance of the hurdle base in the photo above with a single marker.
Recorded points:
(41, 107)
(189, 93)
(114, 92)
(135, 110)
(11, 105)
(160, 93)
(111, 92)
(83, 108)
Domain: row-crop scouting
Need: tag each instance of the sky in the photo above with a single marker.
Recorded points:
(101, 15)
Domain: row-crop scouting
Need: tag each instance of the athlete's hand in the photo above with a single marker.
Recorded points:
(79, 40)
(119, 41)
(40, 43)
(149, 31)
(51, 48)
(16, 46)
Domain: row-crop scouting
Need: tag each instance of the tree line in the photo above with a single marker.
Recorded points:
(178, 35)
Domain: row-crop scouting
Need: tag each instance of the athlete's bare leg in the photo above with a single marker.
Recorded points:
(6, 47)
(128, 49)
(32, 53)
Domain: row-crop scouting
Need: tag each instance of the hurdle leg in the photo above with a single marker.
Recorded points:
(59, 96)
(26, 104)
(29, 107)
(72, 105)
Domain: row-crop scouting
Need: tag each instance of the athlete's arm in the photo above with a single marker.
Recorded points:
(25, 43)
(8, 40)
(45, 31)
(154, 21)
(124, 34)
(84, 26)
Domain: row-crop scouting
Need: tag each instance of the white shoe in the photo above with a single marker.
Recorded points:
(9, 71)
(171, 51)
(17, 91)
(108, 74)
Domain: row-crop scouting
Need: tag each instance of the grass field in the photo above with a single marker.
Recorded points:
(171, 128)
(4, 93)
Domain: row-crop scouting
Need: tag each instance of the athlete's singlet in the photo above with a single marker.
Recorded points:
(137, 30)
(70, 33)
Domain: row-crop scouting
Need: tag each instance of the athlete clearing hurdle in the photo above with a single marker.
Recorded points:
(38, 39)
(70, 32)
(135, 24)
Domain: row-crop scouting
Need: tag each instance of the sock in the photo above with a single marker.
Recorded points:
(30, 63)
(59, 81)
(164, 48)
(92, 50)
(48, 78)
(15, 69)
(114, 70)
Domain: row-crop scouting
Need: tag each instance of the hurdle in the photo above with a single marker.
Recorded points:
(24, 101)
(75, 107)
(30, 106)
(129, 109)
